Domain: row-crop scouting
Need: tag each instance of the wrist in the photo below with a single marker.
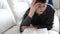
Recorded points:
(30, 15)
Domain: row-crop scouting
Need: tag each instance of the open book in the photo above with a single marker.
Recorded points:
(35, 31)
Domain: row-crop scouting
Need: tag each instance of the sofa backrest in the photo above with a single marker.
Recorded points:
(6, 20)
(20, 9)
(3, 4)
(56, 4)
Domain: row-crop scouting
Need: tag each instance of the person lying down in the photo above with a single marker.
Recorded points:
(39, 15)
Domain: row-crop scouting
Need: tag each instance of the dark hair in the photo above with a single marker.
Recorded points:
(41, 1)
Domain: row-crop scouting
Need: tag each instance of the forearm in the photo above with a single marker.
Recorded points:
(26, 21)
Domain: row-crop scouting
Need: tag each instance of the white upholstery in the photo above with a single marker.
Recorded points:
(52, 32)
(59, 13)
(56, 4)
(19, 8)
(59, 4)
(56, 24)
(6, 20)
(59, 18)
(3, 4)
(15, 29)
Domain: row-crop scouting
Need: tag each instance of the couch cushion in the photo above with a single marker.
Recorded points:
(59, 4)
(56, 4)
(56, 24)
(59, 18)
(3, 4)
(52, 32)
(6, 20)
(19, 10)
(14, 30)
(59, 13)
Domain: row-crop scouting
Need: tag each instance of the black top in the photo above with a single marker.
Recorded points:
(44, 20)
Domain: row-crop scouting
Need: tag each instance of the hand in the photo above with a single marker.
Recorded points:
(33, 8)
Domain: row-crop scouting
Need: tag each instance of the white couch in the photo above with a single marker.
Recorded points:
(10, 19)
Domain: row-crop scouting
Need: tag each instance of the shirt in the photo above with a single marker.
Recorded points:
(44, 20)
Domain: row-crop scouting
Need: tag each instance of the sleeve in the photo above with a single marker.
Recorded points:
(26, 20)
(50, 18)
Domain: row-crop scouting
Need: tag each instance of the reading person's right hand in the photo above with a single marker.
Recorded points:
(33, 8)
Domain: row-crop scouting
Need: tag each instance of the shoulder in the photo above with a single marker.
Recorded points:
(26, 13)
(50, 8)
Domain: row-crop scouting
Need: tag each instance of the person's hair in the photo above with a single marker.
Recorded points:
(41, 1)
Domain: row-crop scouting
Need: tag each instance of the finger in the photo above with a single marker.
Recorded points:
(33, 2)
(37, 4)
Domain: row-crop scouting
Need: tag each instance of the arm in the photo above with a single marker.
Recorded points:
(26, 20)
(29, 14)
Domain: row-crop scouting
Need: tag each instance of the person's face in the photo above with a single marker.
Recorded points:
(41, 8)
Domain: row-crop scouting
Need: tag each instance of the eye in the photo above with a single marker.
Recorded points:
(44, 6)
